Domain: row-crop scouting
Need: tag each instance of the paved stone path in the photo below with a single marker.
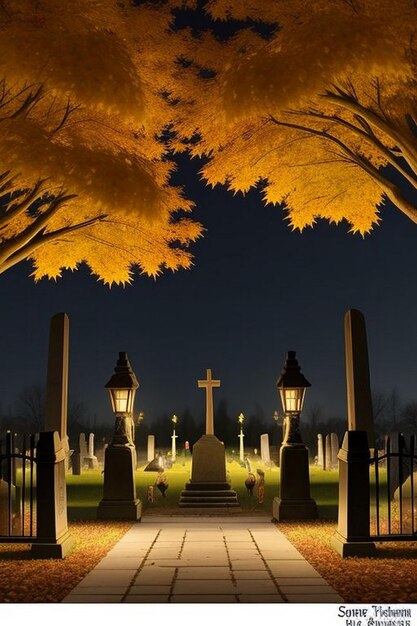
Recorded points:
(203, 559)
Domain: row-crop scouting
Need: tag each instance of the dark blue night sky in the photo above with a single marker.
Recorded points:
(256, 290)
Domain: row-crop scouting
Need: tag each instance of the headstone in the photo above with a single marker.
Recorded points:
(334, 450)
(359, 399)
(265, 449)
(208, 486)
(83, 449)
(76, 463)
(100, 452)
(57, 380)
(320, 451)
(91, 458)
(328, 453)
(151, 448)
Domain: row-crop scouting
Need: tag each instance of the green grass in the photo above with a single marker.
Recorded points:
(85, 491)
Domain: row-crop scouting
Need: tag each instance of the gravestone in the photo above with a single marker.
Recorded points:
(334, 450)
(320, 451)
(328, 453)
(265, 449)
(57, 381)
(208, 486)
(100, 452)
(76, 463)
(83, 449)
(151, 448)
(91, 458)
(359, 399)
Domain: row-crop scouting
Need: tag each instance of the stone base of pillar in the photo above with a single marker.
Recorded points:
(57, 550)
(294, 509)
(120, 510)
(352, 548)
(119, 493)
(92, 462)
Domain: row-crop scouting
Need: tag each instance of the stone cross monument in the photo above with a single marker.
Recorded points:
(208, 487)
(209, 384)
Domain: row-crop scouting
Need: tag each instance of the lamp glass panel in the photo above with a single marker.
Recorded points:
(292, 399)
(121, 400)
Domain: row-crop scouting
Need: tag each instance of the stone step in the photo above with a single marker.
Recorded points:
(209, 504)
(213, 493)
(208, 500)
(207, 486)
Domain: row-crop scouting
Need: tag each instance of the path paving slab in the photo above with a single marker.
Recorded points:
(204, 573)
(206, 599)
(264, 599)
(251, 574)
(119, 563)
(91, 599)
(149, 590)
(209, 559)
(131, 597)
(256, 587)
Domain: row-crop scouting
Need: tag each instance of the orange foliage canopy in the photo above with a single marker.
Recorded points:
(321, 112)
(82, 107)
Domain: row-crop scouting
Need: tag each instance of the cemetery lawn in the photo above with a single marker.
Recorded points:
(85, 491)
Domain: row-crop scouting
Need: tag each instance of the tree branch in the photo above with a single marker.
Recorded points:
(390, 189)
(20, 207)
(10, 247)
(42, 238)
(349, 103)
(368, 135)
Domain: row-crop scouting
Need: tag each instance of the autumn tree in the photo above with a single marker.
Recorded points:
(84, 174)
(319, 110)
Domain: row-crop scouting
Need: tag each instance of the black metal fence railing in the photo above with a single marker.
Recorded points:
(17, 488)
(376, 494)
(393, 505)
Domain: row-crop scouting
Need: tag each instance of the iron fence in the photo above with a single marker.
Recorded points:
(393, 506)
(17, 488)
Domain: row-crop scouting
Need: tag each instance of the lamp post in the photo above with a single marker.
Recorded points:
(240, 419)
(119, 496)
(294, 500)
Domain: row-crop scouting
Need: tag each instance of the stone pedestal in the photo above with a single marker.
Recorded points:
(119, 495)
(353, 536)
(53, 539)
(294, 500)
(208, 487)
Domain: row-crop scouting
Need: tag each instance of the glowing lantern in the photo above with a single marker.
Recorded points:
(122, 386)
(292, 386)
